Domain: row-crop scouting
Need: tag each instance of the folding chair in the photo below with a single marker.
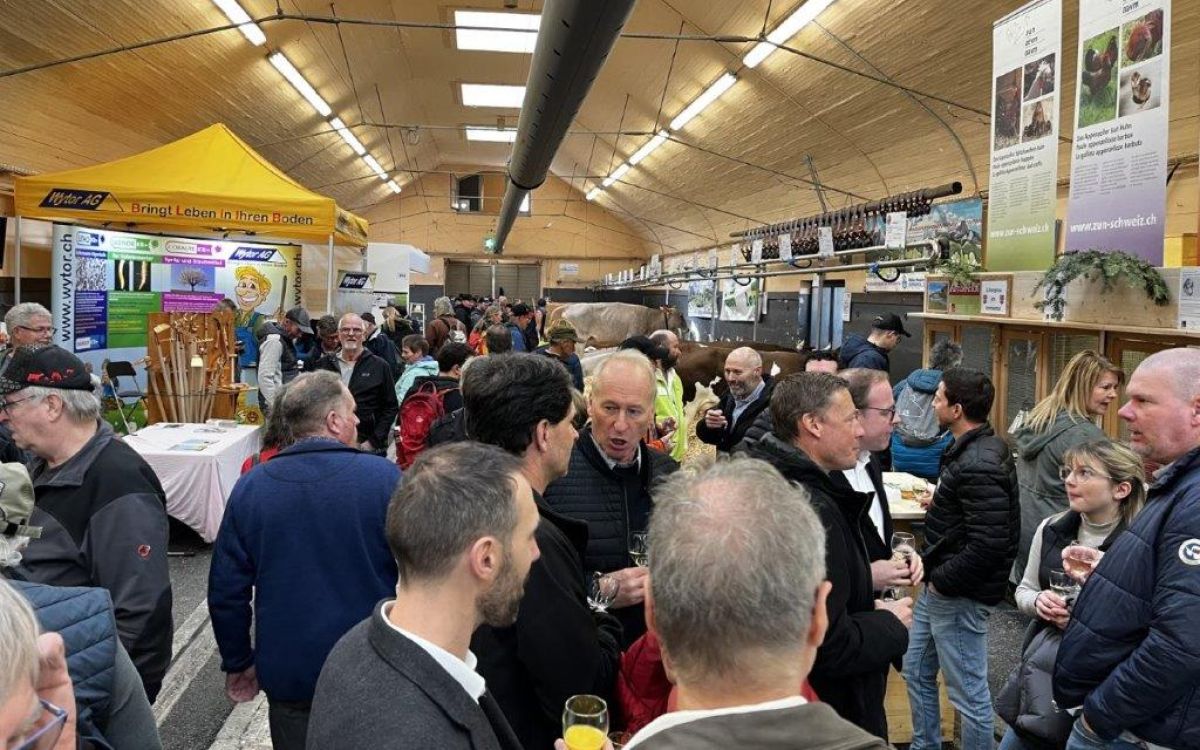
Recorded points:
(115, 370)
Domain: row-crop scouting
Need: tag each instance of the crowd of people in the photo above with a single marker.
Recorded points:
(443, 540)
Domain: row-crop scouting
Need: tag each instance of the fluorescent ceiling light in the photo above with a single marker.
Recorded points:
(709, 96)
(285, 67)
(617, 174)
(524, 208)
(236, 14)
(492, 135)
(785, 31)
(492, 95)
(347, 136)
(496, 41)
(646, 150)
(394, 186)
(374, 165)
(591, 194)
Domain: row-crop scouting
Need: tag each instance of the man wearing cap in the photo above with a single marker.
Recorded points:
(562, 337)
(872, 351)
(101, 508)
(518, 321)
(278, 363)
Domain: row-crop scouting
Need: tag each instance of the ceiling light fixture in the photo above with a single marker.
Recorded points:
(347, 136)
(236, 14)
(374, 165)
(617, 174)
(394, 186)
(491, 135)
(288, 71)
(647, 149)
(492, 95)
(522, 40)
(710, 95)
(785, 31)
(591, 194)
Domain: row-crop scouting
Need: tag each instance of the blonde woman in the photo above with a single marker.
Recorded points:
(1105, 490)
(1067, 417)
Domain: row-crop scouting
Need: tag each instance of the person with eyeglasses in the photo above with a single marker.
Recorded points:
(971, 532)
(28, 324)
(370, 381)
(872, 395)
(37, 701)
(1106, 490)
(817, 434)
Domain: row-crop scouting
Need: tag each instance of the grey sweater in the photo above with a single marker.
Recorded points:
(812, 726)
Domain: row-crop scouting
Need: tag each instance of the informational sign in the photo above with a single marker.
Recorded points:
(995, 296)
(1189, 298)
(390, 262)
(568, 269)
(104, 283)
(785, 246)
(756, 250)
(824, 242)
(1119, 155)
(740, 302)
(1026, 99)
(895, 235)
(355, 292)
(908, 282)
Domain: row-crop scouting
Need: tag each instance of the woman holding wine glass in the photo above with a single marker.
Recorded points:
(1105, 489)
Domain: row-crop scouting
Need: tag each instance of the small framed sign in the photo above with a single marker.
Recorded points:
(995, 296)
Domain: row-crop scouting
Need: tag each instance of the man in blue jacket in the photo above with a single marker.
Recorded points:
(871, 351)
(303, 540)
(1131, 653)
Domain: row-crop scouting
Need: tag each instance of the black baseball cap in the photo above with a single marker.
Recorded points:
(519, 309)
(890, 322)
(45, 367)
(368, 317)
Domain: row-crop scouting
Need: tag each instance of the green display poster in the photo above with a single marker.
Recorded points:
(127, 313)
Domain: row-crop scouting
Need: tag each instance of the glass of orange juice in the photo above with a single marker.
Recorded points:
(585, 722)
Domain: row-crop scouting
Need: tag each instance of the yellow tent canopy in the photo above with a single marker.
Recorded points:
(210, 181)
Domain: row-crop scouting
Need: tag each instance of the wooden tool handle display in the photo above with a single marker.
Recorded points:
(190, 356)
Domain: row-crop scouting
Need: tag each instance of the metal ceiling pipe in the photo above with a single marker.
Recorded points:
(573, 42)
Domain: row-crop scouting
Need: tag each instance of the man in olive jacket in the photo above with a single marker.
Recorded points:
(971, 534)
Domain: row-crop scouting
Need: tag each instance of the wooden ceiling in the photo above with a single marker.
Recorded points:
(741, 162)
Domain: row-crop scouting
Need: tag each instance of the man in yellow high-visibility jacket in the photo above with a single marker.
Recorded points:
(668, 396)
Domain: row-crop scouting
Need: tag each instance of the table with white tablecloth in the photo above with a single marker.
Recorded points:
(198, 465)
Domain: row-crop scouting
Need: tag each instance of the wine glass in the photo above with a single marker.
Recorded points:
(1065, 586)
(602, 591)
(904, 546)
(638, 549)
(585, 722)
(1079, 560)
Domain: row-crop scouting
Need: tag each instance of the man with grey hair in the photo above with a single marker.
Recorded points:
(611, 478)
(1130, 655)
(370, 381)
(818, 432)
(101, 508)
(464, 542)
(28, 324)
(302, 543)
(749, 393)
(740, 616)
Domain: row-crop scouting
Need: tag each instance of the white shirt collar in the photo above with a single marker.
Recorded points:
(675, 718)
(612, 462)
(463, 672)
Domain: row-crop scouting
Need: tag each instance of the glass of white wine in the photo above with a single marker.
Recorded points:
(1065, 586)
(638, 549)
(585, 722)
(602, 591)
(904, 546)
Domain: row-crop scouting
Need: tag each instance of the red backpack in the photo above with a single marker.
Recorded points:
(421, 408)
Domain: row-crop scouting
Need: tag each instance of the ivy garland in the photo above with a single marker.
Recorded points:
(1108, 266)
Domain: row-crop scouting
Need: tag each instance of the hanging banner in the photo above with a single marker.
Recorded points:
(1119, 159)
(1022, 190)
(105, 283)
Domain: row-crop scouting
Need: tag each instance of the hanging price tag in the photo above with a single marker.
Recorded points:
(825, 242)
(895, 235)
(785, 247)
(756, 249)
(713, 262)
(735, 255)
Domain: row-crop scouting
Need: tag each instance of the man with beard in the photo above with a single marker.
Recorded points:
(405, 677)
(370, 382)
(668, 394)
(748, 395)
(557, 647)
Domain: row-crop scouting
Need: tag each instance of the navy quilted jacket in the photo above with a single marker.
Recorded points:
(1131, 654)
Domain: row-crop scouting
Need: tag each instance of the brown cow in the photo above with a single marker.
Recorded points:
(705, 363)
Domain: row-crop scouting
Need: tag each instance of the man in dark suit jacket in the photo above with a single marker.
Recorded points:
(405, 678)
(748, 395)
(872, 395)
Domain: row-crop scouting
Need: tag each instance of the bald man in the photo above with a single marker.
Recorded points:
(749, 393)
(611, 477)
(1130, 654)
(370, 381)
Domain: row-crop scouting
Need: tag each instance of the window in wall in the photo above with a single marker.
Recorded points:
(468, 194)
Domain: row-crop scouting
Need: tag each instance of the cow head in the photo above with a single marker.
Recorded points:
(673, 320)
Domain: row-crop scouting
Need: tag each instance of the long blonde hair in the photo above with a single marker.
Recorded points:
(1073, 391)
(1121, 464)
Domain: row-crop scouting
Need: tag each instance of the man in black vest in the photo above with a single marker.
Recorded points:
(278, 364)
(464, 542)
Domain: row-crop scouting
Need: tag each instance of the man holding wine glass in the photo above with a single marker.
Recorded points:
(1130, 656)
